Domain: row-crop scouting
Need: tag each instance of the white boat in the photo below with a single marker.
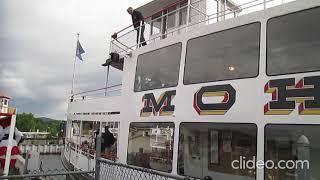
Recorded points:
(218, 86)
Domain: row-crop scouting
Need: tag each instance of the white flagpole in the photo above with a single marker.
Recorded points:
(74, 66)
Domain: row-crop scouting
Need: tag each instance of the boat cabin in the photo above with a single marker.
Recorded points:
(209, 93)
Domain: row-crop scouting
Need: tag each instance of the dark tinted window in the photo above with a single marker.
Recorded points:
(297, 145)
(209, 149)
(229, 54)
(151, 145)
(158, 69)
(293, 43)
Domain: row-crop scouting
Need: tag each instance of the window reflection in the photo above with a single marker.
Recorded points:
(208, 149)
(151, 145)
(293, 143)
(158, 69)
(209, 57)
(293, 43)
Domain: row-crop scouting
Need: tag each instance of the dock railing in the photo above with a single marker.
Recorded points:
(126, 39)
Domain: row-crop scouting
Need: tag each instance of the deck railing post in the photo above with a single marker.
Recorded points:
(107, 79)
(98, 154)
(139, 35)
(188, 13)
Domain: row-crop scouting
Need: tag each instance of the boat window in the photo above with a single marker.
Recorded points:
(294, 149)
(158, 69)
(110, 152)
(5, 102)
(151, 145)
(229, 54)
(293, 43)
(215, 150)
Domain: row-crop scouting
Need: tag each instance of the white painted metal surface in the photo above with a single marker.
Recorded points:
(250, 96)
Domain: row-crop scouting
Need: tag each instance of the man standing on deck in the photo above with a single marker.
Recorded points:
(137, 18)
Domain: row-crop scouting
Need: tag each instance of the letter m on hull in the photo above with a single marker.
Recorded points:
(161, 107)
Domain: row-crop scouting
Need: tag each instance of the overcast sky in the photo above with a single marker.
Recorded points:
(37, 48)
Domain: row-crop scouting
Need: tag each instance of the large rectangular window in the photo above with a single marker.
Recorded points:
(229, 54)
(151, 145)
(294, 151)
(293, 43)
(209, 149)
(158, 68)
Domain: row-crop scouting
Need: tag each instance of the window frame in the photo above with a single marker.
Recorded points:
(259, 57)
(173, 150)
(137, 61)
(267, 41)
(222, 123)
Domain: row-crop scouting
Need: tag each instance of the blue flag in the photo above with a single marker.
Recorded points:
(79, 51)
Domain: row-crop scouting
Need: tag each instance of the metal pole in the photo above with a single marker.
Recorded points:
(224, 9)
(9, 147)
(264, 4)
(139, 35)
(188, 12)
(80, 138)
(98, 153)
(107, 79)
(74, 65)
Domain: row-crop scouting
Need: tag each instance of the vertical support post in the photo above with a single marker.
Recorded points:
(188, 12)
(162, 28)
(107, 79)
(139, 36)
(224, 9)
(264, 4)
(9, 147)
(80, 139)
(218, 13)
(98, 154)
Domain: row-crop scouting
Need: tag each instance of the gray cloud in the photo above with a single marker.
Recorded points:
(37, 47)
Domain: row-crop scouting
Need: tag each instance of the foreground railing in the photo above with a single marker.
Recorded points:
(55, 175)
(118, 171)
(125, 39)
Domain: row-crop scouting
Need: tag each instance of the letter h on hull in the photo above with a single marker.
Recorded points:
(285, 95)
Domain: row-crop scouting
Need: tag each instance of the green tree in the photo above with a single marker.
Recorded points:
(26, 122)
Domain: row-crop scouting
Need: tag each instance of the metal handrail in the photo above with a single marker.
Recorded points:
(99, 89)
(216, 15)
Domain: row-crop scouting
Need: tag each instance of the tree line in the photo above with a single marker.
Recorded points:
(26, 122)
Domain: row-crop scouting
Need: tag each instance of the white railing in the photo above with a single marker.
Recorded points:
(114, 90)
(126, 39)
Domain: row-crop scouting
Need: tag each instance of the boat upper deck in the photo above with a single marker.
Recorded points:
(168, 19)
